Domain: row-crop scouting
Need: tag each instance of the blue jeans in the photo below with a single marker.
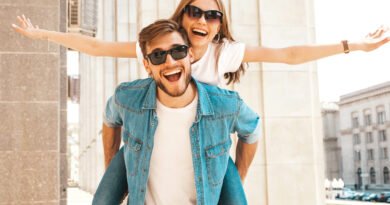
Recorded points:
(113, 185)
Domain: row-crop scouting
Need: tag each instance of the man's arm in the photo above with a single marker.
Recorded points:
(111, 142)
(244, 156)
(248, 128)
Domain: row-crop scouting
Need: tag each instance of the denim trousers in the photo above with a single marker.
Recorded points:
(113, 185)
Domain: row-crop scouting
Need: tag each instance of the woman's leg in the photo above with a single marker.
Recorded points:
(113, 185)
(232, 192)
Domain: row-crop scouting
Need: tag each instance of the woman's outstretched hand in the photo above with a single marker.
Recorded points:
(375, 40)
(27, 28)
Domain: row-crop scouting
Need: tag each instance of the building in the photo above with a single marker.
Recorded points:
(364, 132)
(332, 149)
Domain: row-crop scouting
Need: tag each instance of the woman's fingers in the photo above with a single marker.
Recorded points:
(22, 23)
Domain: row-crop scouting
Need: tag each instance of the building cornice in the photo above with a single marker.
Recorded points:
(376, 90)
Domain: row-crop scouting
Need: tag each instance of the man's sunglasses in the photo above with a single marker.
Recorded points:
(211, 16)
(159, 57)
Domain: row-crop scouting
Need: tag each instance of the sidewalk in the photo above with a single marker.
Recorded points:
(351, 202)
(77, 196)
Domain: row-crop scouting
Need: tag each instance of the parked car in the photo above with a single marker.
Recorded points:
(359, 195)
(347, 194)
(382, 197)
(371, 197)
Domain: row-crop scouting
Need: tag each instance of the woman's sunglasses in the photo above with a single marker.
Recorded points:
(211, 16)
(159, 57)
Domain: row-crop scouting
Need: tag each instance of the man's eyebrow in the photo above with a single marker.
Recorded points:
(172, 46)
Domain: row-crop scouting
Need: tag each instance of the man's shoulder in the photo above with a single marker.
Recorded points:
(134, 85)
(224, 102)
(218, 92)
(131, 95)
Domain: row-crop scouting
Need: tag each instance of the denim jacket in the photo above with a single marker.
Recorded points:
(219, 113)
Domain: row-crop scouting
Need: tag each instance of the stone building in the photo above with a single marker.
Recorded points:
(33, 83)
(364, 133)
(332, 149)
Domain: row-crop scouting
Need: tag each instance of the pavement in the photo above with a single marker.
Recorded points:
(77, 196)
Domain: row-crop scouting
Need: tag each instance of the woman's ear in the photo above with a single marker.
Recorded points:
(191, 55)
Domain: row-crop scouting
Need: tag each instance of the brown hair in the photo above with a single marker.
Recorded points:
(160, 28)
(224, 32)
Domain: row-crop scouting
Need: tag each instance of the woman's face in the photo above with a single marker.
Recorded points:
(200, 31)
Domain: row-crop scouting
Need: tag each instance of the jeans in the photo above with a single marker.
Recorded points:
(113, 185)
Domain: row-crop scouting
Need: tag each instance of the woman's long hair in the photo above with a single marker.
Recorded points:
(224, 32)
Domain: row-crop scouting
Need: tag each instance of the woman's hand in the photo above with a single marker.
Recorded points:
(28, 29)
(374, 40)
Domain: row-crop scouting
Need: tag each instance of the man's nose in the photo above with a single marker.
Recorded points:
(170, 60)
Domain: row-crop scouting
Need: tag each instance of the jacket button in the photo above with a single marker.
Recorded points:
(152, 123)
(196, 156)
(147, 147)
(192, 129)
(144, 170)
(142, 190)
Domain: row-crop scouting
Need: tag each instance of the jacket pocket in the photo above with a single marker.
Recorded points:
(217, 157)
(132, 152)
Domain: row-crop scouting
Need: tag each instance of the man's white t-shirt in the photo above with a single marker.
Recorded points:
(205, 71)
(171, 174)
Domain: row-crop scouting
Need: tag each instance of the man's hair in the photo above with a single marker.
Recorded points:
(157, 29)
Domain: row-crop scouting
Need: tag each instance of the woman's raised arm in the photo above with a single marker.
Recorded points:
(302, 54)
(82, 43)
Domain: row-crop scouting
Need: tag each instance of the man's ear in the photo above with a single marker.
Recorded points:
(146, 65)
(191, 55)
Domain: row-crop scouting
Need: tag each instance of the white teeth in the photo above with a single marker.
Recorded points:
(172, 72)
(199, 31)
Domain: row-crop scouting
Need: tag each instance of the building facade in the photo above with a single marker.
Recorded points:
(332, 149)
(364, 137)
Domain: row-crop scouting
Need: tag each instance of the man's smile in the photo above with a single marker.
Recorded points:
(173, 76)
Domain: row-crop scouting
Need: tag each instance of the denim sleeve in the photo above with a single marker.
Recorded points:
(111, 116)
(248, 124)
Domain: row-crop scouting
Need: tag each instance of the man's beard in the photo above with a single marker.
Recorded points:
(178, 93)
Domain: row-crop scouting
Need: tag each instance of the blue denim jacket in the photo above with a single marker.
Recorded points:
(219, 113)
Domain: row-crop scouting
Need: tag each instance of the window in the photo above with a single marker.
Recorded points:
(381, 117)
(357, 156)
(367, 119)
(382, 135)
(355, 122)
(384, 153)
(369, 137)
(386, 177)
(372, 175)
(370, 154)
(356, 139)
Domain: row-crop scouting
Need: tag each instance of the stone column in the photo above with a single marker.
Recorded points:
(33, 107)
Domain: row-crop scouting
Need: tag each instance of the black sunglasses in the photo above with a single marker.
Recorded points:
(211, 16)
(159, 57)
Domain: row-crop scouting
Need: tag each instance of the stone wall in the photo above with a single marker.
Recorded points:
(32, 106)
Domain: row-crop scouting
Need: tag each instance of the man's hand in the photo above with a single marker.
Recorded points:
(244, 156)
(111, 142)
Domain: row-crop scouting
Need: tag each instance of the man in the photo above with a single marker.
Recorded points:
(176, 130)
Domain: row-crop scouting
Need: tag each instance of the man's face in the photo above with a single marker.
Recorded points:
(172, 76)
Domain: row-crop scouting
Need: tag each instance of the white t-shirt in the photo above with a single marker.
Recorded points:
(171, 174)
(204, 70)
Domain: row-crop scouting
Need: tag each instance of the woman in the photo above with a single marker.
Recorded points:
(216, 54)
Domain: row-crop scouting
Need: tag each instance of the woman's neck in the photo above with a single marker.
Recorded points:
(199, 51)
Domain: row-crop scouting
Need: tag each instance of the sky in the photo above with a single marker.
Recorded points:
(337, 20)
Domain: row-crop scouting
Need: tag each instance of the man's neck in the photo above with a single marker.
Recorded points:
(180, 101)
